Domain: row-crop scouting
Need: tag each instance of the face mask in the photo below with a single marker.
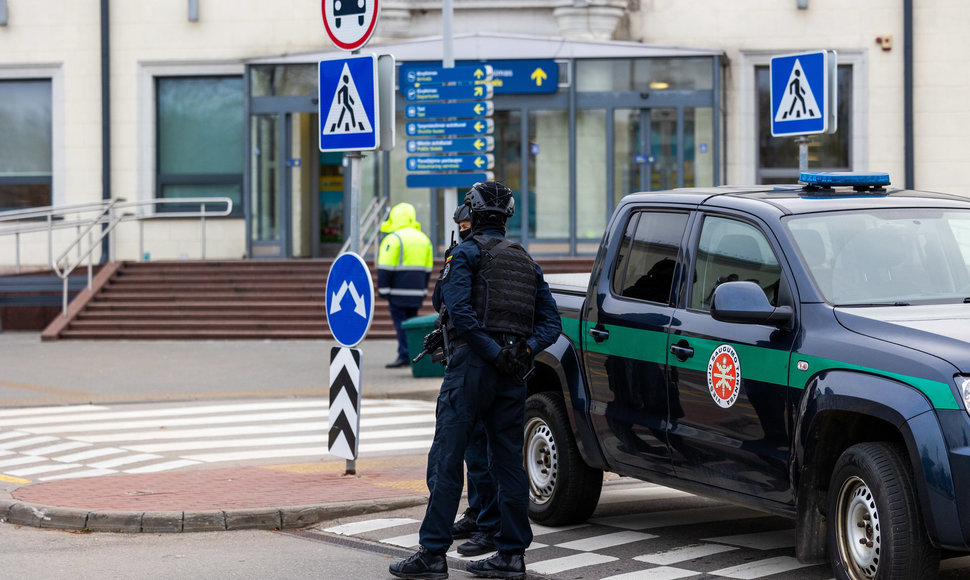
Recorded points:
(463, 234)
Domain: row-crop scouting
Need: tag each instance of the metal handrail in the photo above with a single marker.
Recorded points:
(108, 215)
(370, 227)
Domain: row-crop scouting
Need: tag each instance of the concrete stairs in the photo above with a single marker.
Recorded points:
(219, 300)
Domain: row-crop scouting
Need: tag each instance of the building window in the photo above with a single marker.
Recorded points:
(200, 139)
(26, 151)
(778, 156)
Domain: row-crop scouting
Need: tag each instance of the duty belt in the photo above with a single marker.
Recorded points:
(502, 338)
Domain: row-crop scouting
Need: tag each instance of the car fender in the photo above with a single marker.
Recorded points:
(562, 360)
(908, 412)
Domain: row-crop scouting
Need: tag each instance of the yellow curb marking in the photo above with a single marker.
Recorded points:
(9, 479)
(415, 485)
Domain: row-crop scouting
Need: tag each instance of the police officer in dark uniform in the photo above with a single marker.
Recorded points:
(500, 314)
(479, 523)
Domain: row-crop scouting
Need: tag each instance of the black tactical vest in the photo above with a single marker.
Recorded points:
(504, 288)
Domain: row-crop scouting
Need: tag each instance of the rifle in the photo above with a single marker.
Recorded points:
(434, 341)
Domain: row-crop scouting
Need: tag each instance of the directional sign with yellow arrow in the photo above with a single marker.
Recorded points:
(446, 110)
(451, 145)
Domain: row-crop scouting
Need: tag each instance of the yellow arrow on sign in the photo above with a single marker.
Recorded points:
(479, 161)
(538, 76)
(479, 144)
(479, 90)
(479, 73)
(478, 109)
(479, 126)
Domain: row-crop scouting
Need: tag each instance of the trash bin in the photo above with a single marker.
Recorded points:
(415, 329)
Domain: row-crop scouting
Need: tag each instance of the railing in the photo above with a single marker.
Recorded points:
(107, 214)
(370, 227)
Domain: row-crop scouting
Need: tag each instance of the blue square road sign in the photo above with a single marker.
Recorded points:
(349, 116)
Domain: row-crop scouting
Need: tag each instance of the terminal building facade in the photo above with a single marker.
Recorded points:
(220, 98)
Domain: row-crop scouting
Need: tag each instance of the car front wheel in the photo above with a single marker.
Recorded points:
(562, 488)
(874, 525)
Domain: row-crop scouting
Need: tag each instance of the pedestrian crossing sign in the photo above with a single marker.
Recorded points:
(803, 94)
(348, 102)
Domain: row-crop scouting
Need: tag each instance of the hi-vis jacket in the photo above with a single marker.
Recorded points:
(405, 259)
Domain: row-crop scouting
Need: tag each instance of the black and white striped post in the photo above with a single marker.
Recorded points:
(344, 403)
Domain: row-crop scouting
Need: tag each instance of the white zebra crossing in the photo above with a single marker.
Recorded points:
(49, 443)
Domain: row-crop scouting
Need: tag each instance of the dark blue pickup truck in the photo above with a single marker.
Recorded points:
(802, 350)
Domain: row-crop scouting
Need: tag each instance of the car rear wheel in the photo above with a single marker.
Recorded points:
(874, 525)
(562, 488)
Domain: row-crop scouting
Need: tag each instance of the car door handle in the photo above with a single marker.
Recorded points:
(599, 334)
(681, 350)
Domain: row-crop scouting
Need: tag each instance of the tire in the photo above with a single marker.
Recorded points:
(562, 488)
(875, 529)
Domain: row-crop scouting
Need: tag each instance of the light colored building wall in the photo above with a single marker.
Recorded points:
(750, 31)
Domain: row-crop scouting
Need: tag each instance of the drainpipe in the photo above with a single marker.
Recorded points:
(908, 132)
(105, 119)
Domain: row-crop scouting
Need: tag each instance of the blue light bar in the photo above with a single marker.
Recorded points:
(830, 179)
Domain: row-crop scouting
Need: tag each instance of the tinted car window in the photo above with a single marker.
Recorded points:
(648, 256)
(730, 250)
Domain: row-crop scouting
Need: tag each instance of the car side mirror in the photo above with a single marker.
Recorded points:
(746, 303)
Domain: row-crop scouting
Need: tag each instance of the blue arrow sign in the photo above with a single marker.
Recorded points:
(443, 110)
(801, 101)
(452, 145)
(447, 128)
(423, 74)
(436, 180)
(447, 93)
(350, 299)
(531, 76)
(347, 99)
(451, 163)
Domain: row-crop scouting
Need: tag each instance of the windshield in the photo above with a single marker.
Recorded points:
(879, 257)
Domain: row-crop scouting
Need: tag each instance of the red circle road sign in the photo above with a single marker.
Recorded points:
(350, 23)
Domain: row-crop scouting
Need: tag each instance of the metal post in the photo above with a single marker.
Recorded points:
(202, 220)
(64, 298)
(802, 154)
(17, 241)
(450, 194)
(90, 262)
(141, 240)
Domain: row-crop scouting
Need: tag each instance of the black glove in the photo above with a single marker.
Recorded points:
(514, 359)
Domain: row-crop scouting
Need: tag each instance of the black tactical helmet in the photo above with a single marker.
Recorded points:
(463, 213)
(490, 197)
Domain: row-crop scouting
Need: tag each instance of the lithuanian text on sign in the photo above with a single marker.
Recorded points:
(451, 163)
(448, 93)
(456, 127)
(436, 74)
(452, 145)
(440, 110)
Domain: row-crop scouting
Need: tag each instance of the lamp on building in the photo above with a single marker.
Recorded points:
(659, 85)
(3, 12)
(193, 10)
(802, 4)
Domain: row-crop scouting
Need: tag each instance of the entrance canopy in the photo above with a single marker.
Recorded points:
(493, 46)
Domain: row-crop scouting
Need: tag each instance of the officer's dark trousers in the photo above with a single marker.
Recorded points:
(474, 390)
(398, 316)
(482, 496)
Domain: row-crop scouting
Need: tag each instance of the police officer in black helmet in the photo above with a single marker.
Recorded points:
(500, 314)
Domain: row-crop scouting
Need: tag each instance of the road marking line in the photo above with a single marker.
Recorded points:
(118, 462)
(9, 479)
(558, 565)
(538, 530)
(605, 541)
(51, 449)
(660, 573)
(26, 442)
(44, 469)
(406, 541)
(21, 460)
(355, 528)
(91, 454)
(80, 474)
(49, 411)
(761, 568)
(684, 554)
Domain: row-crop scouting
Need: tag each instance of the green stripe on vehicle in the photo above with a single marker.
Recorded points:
(757, 363)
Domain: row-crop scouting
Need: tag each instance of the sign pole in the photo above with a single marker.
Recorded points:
(450, 194)
(802, 154)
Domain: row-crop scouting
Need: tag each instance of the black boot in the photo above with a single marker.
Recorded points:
(422, 564)
(465, 527)
(481, 543)
(501, 565)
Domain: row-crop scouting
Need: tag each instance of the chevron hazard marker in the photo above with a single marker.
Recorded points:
(344, 402)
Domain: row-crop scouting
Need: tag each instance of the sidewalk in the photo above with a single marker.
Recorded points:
(205, 499)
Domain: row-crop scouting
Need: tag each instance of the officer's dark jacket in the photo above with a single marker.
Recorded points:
(455, 292)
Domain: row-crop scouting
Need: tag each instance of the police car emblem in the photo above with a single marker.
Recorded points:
(724, 375)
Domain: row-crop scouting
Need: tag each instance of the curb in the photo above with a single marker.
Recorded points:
(290, 517)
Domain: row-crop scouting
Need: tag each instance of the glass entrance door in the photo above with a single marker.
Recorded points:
(648, 150)
(266, 211)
